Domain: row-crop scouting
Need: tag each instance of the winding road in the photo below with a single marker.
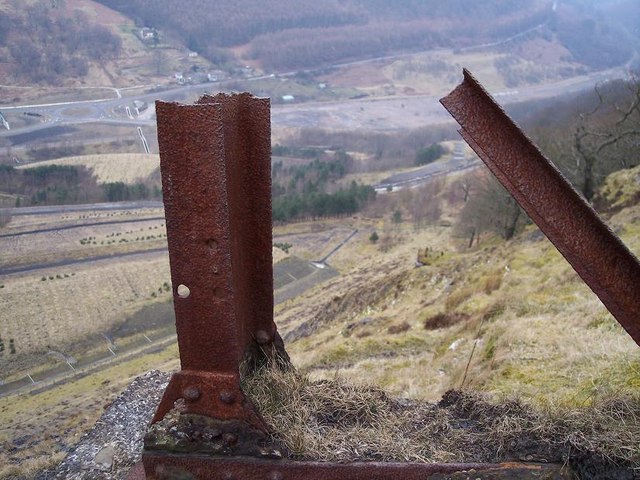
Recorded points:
(371, 113)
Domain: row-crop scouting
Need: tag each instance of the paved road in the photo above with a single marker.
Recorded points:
(389, 113)
(88, 207)
(417, 177)
(79, 225)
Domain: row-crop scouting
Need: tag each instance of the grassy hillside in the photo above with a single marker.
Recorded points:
(57, 46)
(510, 319)
(507, 318)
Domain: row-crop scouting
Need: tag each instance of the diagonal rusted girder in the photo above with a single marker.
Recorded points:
(215, 160)
(572, 225)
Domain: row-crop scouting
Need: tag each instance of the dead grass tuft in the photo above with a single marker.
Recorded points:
(458, 297)
(493, 311)
(444, 320)
(395, 329)
(332, 420)
(492, 282)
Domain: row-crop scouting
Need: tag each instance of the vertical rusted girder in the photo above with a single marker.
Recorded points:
(215, 160)
(592, 249)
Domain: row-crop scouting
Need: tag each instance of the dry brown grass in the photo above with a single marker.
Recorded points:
(399, 328)
(128, 167)
(76, 301)
(333, 420)
(492, 282)
(457, 297)
(443, 320)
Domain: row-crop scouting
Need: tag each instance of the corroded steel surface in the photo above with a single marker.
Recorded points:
(215, 164)
(592, 249)
(215, 160)
(165, 467)
(171, 467)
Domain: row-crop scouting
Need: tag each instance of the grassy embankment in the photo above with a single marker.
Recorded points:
(514, 312)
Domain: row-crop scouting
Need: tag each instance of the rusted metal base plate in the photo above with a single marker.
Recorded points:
(192, 467)
(137, 472)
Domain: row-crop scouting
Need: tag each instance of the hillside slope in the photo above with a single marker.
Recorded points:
(302, 33)
(507, 318)
(75, 43)
(293, 34)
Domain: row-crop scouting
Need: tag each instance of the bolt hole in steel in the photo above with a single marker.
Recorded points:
(212, 244)
(183, 291)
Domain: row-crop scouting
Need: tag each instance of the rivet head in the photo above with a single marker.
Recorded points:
(262, 337)
(191, 393)
(229, 439)
(227, 397)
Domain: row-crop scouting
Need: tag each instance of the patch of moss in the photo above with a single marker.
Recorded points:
(621, 189)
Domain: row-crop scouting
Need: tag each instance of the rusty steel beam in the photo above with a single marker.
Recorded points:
(593, 250)
(215, 165)
(165, 467)
(215, 160)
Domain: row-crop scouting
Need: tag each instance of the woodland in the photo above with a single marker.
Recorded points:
(287, 34)
(40, 45)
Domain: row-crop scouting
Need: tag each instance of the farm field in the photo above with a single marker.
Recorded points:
(76, 284)
(71, 242)
(127, 168)
(416, 332)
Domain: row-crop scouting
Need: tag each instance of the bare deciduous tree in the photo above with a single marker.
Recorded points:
(614, 141)
(490, 209)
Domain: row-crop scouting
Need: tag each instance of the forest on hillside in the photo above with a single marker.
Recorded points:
(305, 33)
(40, 44)
(67, 185)
(290, 34)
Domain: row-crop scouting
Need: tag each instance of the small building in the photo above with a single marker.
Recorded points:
(217, 75)
(288, 98)
(147, 33)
